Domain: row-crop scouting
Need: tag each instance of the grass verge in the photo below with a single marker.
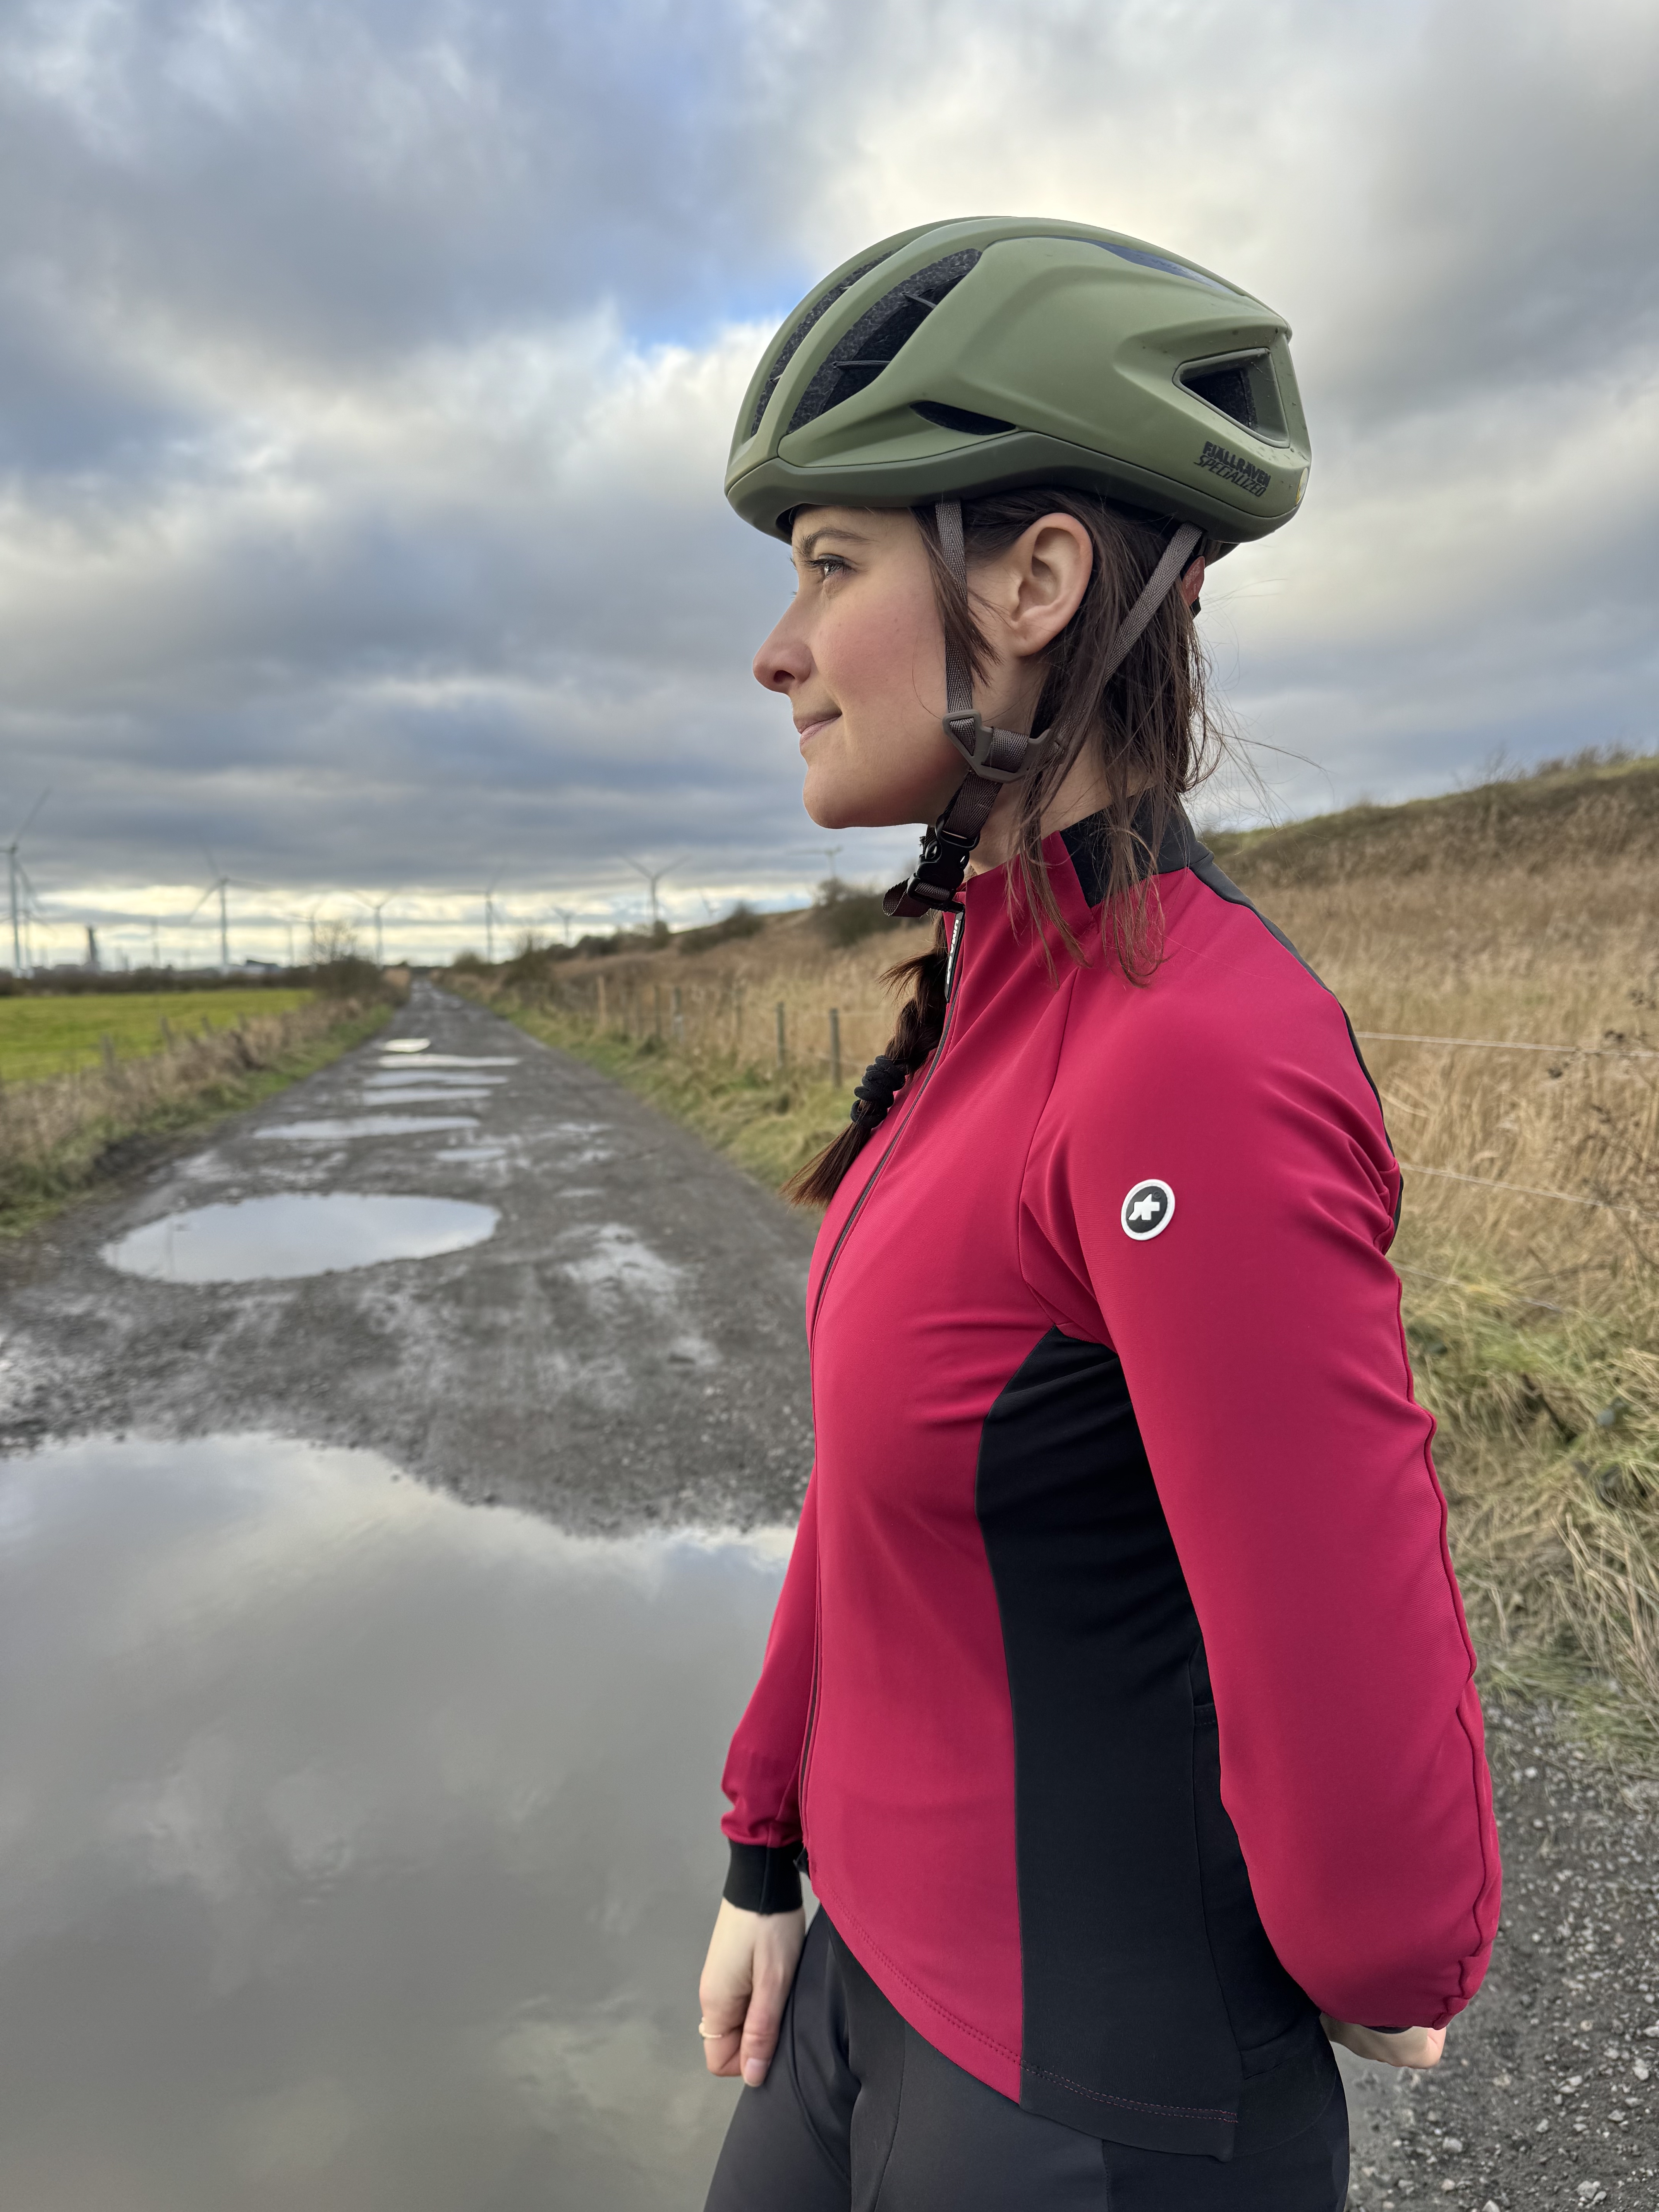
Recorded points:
(769, 1124)
(62, 1138)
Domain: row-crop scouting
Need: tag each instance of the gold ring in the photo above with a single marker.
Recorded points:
(714, 2034)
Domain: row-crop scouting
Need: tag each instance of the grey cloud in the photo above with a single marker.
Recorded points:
(368, 367)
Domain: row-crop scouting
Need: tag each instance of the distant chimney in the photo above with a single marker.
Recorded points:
(93, 960)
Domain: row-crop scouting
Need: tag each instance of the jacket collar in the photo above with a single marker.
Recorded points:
(1181, 847)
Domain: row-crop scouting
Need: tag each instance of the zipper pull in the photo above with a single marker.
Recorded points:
(953, 957)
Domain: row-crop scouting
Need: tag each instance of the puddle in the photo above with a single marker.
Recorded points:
(441, 1080)
(294, 1233)
(361, 1847)
(483, 1154)
(459, 1059)
(415, 1094)
(367, 1125)
(406, 1044)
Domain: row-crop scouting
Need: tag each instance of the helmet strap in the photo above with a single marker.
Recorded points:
(996, 757)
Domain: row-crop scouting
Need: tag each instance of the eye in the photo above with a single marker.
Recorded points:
(829, 564)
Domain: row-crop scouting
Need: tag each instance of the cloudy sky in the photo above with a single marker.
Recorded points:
(366, 370)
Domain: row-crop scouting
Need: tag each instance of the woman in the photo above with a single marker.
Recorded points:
(1119, 1690)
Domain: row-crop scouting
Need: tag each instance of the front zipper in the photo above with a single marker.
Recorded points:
(952, 973)
(952, 967)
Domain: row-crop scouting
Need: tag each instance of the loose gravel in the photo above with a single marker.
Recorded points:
(1548, 2094)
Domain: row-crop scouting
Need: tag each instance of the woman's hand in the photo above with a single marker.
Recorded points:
(1412, 2046)
(751, 1962)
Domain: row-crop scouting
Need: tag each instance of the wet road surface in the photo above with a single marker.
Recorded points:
(357, 1847)
(624, 1348)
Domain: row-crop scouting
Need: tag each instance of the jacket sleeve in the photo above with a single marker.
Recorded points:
(1260, 1337)
(762, 1767)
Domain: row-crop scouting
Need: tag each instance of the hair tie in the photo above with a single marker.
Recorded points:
(874, 1097)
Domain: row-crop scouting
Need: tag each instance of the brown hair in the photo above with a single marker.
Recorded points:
(1149, 726)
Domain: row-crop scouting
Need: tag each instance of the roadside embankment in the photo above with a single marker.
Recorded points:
(66, 1133)
(1498, 952)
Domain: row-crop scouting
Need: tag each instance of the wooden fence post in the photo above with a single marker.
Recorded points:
(834, 1047)
(737, 1021)
(679, 1017)
(106, 1048)
(783, 1054)
(656, 1009)
(598, 994)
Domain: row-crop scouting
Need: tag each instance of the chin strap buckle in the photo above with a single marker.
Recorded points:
(932, 887)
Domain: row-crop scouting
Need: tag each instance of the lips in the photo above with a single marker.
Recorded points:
(814, 723)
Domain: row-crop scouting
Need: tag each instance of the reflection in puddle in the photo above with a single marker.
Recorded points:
(361, 1847)
(442, 1079)
(295, 1233)
(406, 1044)
(367, 1125)
(481, 1154)
(461, 1060)
(415, 1094)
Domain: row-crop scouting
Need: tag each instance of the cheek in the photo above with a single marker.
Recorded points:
(869, 656)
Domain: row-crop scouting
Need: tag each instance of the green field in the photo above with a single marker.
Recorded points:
(51, 1035)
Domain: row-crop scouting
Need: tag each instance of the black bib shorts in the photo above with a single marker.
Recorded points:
(859, 2113)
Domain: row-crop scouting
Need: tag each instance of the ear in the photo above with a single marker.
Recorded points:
(1037, 585)
(1192, 582)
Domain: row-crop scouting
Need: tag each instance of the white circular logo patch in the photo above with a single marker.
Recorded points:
(1148, 1209)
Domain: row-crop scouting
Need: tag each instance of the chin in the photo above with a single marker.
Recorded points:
(842, 809)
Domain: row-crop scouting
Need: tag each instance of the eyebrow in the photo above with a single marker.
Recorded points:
(815, 537)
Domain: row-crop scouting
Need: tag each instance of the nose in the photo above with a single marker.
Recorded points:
(783, 661)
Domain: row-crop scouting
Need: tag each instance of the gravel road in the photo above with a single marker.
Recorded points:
(605, 1329)
(624, 1349)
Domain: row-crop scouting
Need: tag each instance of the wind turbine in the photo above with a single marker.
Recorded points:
(565, 914)
(374, 907)
(653, 877)
(220, 885)
(16, 874)
(490, 911)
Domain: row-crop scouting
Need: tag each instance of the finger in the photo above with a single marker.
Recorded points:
(760, 2034)
(721, 2052)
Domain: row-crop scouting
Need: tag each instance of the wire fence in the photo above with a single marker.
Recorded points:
(752, 1026)
(1510, 1044)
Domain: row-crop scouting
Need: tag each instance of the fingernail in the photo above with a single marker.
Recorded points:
(754, 2072)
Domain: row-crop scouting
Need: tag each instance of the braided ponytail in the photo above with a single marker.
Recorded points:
(920, 1024)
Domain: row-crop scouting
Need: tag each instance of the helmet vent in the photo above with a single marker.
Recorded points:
(958, 418)
(860, 354)
(788, 350)
(1244, 388)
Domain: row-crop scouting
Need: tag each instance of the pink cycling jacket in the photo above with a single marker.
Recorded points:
(1120, 1689)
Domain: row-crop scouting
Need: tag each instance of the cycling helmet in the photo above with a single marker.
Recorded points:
(972, 356)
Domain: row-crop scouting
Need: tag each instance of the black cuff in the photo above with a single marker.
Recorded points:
(763, 1878)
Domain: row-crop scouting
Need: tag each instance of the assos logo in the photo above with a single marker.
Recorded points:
(1148, 1210)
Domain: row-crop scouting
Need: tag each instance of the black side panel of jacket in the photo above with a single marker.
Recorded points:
(1143, 1953)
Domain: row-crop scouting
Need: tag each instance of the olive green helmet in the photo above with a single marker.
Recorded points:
(969, 357)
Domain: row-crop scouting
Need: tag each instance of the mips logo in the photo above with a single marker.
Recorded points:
(1148, 1210)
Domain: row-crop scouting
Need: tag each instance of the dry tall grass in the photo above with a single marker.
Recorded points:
(58, 1135)
(1531, 1289)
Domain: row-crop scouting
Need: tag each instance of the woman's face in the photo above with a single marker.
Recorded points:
(860, 655)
